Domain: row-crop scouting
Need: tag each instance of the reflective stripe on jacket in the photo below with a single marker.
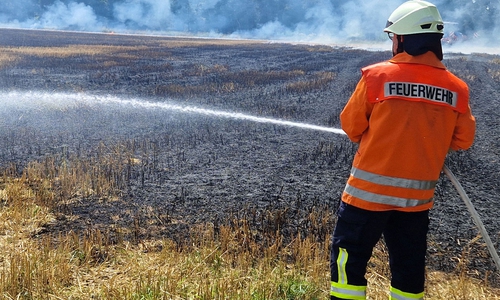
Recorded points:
(405, 114)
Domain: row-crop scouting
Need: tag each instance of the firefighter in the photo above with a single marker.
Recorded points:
(406, 114)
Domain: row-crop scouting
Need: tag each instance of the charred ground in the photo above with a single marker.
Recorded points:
(179, 170)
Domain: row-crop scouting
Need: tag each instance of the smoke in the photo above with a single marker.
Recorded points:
(75, 16)
(322, 21)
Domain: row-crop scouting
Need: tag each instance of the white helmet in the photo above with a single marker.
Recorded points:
(414, 17)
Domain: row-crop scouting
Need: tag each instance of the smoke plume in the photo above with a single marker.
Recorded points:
(327, 21)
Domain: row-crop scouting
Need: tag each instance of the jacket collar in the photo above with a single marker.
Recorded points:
(427, 58)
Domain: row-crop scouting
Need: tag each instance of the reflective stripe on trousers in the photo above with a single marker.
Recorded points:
(342, 289)
(400, 295)
(388, 181)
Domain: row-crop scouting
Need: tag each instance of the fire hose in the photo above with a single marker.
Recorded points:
(475, 215)
(209, 112)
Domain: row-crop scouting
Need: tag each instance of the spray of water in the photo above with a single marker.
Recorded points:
(222, 114)
(41, 101)
(27, 100)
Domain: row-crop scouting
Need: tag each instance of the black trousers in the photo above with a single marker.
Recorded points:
(356, 233)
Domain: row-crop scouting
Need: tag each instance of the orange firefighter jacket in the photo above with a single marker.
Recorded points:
(406, 113)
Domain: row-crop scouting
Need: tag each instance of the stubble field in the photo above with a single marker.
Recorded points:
(155, 173)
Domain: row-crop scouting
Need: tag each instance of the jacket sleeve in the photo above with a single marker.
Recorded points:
(465, 129)
(356, 114)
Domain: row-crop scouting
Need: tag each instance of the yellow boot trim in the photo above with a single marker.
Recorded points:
(400, 295)
(347, 291)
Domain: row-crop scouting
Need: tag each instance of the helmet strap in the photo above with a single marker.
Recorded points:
(400, 48)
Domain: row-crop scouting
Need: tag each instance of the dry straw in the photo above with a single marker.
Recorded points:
(220, 262)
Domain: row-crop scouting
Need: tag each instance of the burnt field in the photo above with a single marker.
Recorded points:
(69, 114)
